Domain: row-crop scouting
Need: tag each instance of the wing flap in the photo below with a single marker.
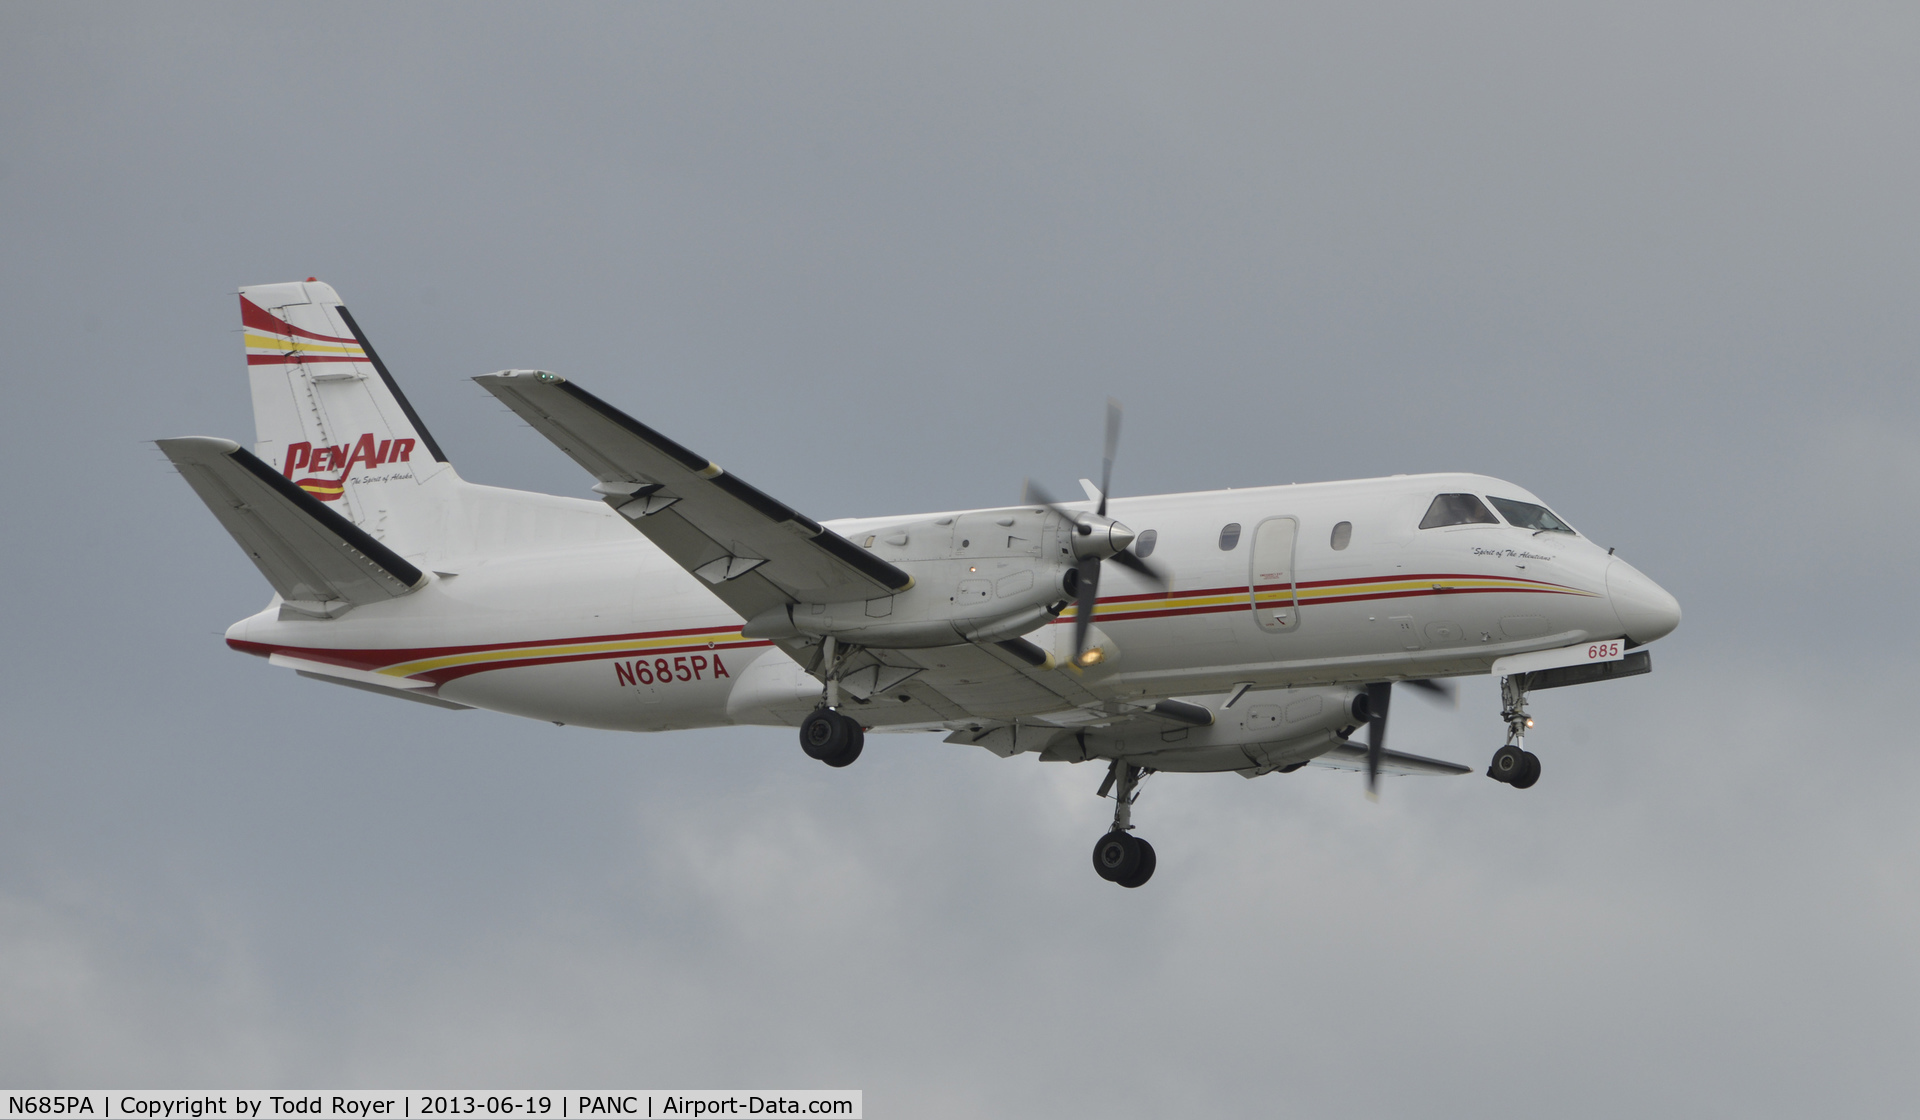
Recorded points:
(320, 563)
(753, 550)
(1347, 755)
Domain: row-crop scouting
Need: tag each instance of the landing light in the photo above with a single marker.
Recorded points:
(1529, 721)
(1093, 656)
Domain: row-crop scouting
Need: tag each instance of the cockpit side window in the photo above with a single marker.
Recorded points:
(1526, 515)
(1457, 509)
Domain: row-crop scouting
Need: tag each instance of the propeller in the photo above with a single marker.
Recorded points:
(1440, 691)
(1379, 698)
(1096, 537)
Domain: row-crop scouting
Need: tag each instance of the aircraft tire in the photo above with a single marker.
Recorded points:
(1529, 772)
(1509, 762)
(1116, 855)
(824, 734)
(1143, 872)
(856, 742)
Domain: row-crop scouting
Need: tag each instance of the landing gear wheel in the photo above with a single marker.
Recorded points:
(1143, 872)
(1117, 856)
(856, 742)
(823, 734)
(1509, 763)
(1529, 772)
(831, 737)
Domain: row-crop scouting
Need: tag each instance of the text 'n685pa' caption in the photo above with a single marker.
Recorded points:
(365, 1105)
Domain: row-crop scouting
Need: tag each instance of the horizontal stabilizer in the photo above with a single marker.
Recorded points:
(320, 563)
(1353, 756)
(757, 553)
(405, 688)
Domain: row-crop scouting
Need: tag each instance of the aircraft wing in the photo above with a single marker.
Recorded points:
(754, 552)
(320, 563)
(1353, 756)
(960, 682)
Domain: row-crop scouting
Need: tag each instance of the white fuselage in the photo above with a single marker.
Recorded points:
(556, 609)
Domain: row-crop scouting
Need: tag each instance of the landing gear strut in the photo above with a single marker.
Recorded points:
(1513, 763)
(1121, 857)
(826, 734)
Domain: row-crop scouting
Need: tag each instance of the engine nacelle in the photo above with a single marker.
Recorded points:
(989, 575)
(1267, 730)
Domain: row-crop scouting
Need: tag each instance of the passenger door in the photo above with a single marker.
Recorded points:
(1276, 606)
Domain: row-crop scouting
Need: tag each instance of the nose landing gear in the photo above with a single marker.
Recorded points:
(1513, 763)
(1119, 856)
(1518, 768)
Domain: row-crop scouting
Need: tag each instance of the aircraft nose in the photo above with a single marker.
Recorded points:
(1645, 609)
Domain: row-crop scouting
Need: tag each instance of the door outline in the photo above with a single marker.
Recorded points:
(1275, 602)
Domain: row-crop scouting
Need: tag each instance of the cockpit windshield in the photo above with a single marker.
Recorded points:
(1458, 509)
(1526, 515)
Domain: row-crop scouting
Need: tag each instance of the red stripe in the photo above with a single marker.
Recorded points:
(1449, 591)
(1425, 576)
(260, 319)
(455, 672)
(1241, 588)
(376, 658)
(371, 659)
(1131, 615)
(299, 359)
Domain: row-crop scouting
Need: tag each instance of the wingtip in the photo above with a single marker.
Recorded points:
(541, 375)
(212, 444)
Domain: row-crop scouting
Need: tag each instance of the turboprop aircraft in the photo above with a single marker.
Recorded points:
(1250, 630)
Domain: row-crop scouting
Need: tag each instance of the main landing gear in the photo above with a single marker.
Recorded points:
(1121, 857)
(1513, 763)
(826, 734)
(831, 737)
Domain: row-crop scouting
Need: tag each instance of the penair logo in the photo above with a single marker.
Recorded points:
(305, 456)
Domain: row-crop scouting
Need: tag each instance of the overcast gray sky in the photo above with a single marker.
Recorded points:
(1654, 261)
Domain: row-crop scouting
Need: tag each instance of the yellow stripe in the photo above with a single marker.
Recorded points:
(1309, 594)
(519, 653)
(286, 345)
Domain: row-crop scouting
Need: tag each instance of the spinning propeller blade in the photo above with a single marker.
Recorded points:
(1379, 699)
(1087, 567)
(1106, 461)
(1379, 696)
(1438, 691)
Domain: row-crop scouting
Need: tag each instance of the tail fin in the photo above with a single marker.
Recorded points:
(327, 414)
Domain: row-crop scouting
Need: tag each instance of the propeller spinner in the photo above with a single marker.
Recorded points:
(1096, 538)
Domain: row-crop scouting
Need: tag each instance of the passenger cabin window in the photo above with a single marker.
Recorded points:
(1229, 537)
(1457, 509)
(1143, 544)
(1342, 535)
(1526, 515)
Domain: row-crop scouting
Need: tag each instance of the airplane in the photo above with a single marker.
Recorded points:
(1252, 631)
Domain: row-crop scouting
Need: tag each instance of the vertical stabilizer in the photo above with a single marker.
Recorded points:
(327, 413)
